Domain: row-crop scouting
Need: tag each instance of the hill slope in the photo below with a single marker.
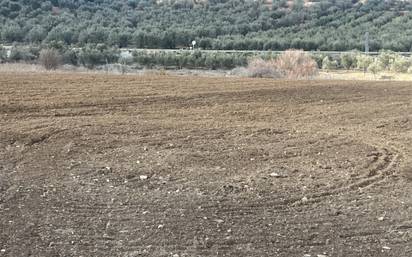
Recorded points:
(216, 24)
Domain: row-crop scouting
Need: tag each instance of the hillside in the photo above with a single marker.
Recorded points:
(215, 24)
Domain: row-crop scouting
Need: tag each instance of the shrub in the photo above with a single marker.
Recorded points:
(295, 64)
(211, 61)
(386, 58)
(328, 64)
(3, 54)
(259, 68)
(23, 54)
(400, 64)
(363, 61)
(348, 61)
(292, 64)
(374, 67)
(70, 56)
(99, 54)
(125, 59)
(318, 58)
(50, 59)
(143, 58)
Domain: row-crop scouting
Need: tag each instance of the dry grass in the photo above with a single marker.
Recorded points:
(21, 67)
(36, 68)
(239, 72)
(359, 75)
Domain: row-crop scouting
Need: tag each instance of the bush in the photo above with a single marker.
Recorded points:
(318, 58)
(259, 68)
(3, 54)
(50, 59)
(400, 64)
(70, 56)
(295, 64)
(386, 58)
(374, 67)
(125, 59)
(93, 55)
(23, 54)
(363, 61)
(348, 61)
(292, 64)
(328, 64)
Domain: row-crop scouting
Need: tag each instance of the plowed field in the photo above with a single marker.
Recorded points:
(104, 165)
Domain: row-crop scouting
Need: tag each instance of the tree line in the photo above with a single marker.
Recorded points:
(92, 56)
(337, 25)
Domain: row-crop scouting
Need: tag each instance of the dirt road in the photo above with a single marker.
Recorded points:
(96, 165)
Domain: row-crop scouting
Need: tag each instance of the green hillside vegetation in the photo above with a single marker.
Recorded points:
(217, 24)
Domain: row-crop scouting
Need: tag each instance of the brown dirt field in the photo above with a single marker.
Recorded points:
(235, 167)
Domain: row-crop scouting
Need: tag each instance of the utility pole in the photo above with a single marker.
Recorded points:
(366, 42)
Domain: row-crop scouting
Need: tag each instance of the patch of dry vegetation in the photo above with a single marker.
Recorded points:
(21, 67)
(259, 68)
(292, 64)
(50, 59)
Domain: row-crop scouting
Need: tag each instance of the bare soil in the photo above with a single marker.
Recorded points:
(105, 165)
